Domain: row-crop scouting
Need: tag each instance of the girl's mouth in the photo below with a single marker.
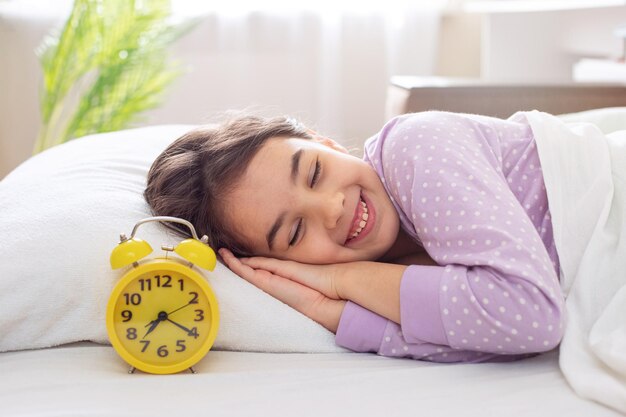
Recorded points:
(362, 222)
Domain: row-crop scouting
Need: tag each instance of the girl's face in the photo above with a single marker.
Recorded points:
(312, 202)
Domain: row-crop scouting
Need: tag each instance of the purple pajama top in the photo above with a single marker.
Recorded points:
(470, 190)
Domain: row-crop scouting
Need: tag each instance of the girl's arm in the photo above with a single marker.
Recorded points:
(321, 291)
(370, 322)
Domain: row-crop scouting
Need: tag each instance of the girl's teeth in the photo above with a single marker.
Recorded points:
(363, 222)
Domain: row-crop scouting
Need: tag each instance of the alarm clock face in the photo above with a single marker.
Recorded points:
(162, 319)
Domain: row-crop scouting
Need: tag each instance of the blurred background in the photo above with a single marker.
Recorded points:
(328, 63)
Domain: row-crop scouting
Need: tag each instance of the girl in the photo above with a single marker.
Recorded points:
(437, 245)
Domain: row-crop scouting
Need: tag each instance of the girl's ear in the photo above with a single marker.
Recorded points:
(327, 141)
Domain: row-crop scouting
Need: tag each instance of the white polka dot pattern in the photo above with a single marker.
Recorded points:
(470, 190)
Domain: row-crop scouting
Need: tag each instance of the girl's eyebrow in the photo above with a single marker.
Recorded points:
(295, 171)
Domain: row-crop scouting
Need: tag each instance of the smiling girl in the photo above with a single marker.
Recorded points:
(436, 245)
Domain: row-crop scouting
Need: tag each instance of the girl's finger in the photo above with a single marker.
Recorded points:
(317, 277)
(234, 264)
(305, 274)
(287, 269)
(295, 295)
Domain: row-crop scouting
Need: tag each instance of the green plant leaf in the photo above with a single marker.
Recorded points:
(105, 66)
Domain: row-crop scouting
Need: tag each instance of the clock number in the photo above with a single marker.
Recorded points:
(182, 287)
(134, 299)
(145, 346)
(180, 344)
(194, 300)
(147, 283)
(193, 332)
(131, 333)
(166, 283)
(162, 351)
(127, 315)
(199, 315)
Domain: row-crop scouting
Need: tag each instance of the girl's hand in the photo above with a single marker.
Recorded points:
(310, 289)
(321, 278)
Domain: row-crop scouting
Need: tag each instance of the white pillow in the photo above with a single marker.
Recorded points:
(61, 213)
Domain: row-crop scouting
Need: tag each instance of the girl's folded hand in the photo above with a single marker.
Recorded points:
(310, 289)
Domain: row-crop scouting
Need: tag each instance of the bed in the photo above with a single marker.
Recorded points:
(89, 380)
(267, 359)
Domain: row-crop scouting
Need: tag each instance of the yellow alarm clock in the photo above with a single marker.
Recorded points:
(162, 316)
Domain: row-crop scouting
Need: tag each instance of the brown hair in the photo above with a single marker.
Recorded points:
(191, 178)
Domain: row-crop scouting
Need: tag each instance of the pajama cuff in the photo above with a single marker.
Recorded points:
(420, 312)
(359, 329)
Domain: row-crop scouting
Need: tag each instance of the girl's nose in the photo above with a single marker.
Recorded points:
(332, 208)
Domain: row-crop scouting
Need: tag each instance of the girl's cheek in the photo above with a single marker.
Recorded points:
(320, 253)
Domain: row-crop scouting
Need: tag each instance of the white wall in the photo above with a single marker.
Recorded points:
(542, 46)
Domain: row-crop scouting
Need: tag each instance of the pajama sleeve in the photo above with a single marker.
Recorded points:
(496, 290)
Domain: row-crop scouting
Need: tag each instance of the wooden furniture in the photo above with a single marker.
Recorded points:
(414, 94)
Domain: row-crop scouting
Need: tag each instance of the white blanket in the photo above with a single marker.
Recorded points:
(585, 176)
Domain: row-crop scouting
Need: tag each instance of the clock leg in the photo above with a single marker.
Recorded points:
(131, 370)
(193, 371)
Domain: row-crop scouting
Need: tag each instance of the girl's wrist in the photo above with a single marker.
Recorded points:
(341, 274)
(372, 285)
(346, 277)
(336, 313)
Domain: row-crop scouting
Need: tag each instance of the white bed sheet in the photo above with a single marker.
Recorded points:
(87, 379)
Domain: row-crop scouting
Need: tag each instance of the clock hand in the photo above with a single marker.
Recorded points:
(179, 308)
(154, 323)
(179, 325)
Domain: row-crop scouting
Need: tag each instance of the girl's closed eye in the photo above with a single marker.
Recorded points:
(296, 235)
(316, 173)
(315, 178)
